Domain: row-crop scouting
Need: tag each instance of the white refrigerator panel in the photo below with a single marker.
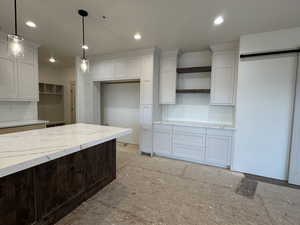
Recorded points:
(265, 98)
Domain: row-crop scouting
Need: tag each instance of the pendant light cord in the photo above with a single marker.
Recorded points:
(83, 37)
(16, 19)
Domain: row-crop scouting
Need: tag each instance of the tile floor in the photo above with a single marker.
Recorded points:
(158, 191)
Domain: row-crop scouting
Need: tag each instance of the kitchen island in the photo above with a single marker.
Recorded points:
(46, 173)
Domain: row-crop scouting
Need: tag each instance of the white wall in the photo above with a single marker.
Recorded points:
(50, 73)
(120, 107)
(15, 111)
(196, 107)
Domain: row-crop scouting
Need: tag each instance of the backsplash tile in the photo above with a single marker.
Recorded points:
(18, 111)
(199, 113)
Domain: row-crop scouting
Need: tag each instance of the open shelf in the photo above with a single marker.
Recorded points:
(186, 91)
(51, 89)
(194, 69)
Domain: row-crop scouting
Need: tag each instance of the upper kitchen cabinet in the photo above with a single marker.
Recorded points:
(19, 77)
(147, 80)
(168, 77)
(119, 68)
(224, 74)
(103, 70)
(8, 79)
(127, 68)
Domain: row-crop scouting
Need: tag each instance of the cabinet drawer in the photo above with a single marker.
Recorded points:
(190, 140)
(189, 130)
(220, 132)
(189, 152)
(162, 128)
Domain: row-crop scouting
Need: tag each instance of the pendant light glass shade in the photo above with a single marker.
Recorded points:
(15, 41)
(84, 65)
(15, 46)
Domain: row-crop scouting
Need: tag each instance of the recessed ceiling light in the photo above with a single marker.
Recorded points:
(219, 20)
(85, 47)
(52, 60)
(31, 24)
(137, 36)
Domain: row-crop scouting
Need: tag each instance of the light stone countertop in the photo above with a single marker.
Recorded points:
(22, 150)
(9, 124)
(197, 124)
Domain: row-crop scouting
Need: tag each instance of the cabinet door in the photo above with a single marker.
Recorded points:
(223, 78)
(8, 79)
(167, 79)
(218, 150)
(162, 139)
(28, 55)
(27, 81)
(147, 80)
(127, 68)
(146, 139)
(146, 116)
(104, 70)
(146, 92)
(17, 205)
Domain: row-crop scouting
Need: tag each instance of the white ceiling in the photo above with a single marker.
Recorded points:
(168, 24)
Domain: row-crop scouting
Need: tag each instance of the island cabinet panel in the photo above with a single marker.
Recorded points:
(43, 194)
(58, 182)
(17, 204)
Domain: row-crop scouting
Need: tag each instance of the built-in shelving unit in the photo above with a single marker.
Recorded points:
(188, 91)
(51, 104)
(187, 70)
(50, 89)
(199, 69)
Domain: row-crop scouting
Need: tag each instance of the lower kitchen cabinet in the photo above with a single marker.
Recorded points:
(162, 139)
(146, 140)
(202, 145)
(218, 150)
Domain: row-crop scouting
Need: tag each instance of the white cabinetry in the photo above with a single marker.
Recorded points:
(203, 145)
(124, 68)
(18, 77)
(127, 68)
(147, 80)
(103, 70)
(136, 65)
(8, 79)
(146, 138)
(219, 145)
(162, 139)
(189, 143)
(27, 81)
(168, 77)
(224, 74)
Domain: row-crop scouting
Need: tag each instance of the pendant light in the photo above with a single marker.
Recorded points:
(15, 45)
(84, 65)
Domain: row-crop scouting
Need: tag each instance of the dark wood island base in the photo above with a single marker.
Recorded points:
(43, 194)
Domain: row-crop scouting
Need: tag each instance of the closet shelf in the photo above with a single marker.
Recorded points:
(194, 69)
(183, 91)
